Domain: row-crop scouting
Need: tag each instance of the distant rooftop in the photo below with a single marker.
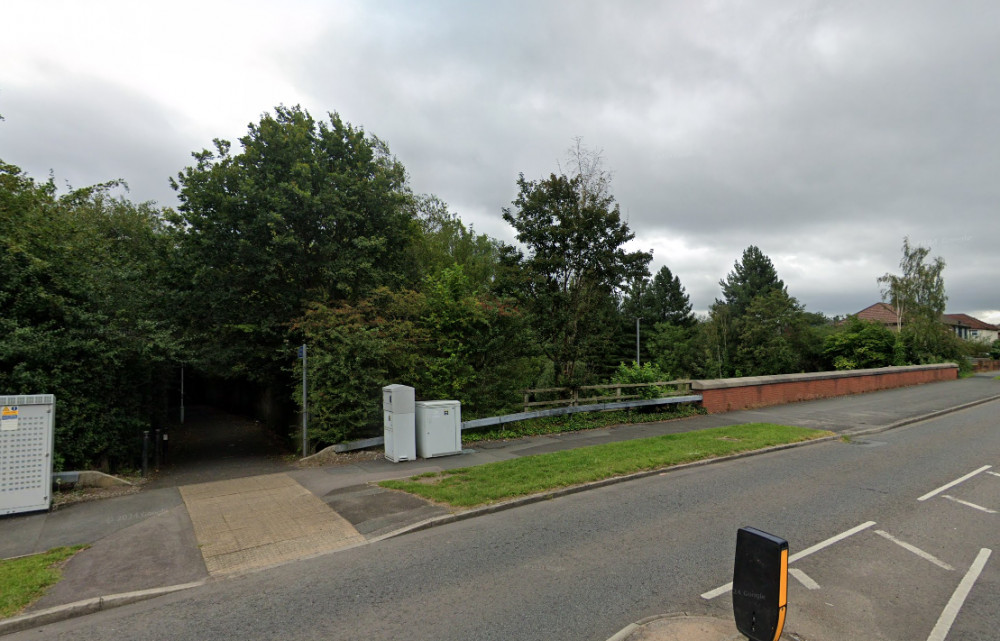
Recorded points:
(964, 320)
(883, 313)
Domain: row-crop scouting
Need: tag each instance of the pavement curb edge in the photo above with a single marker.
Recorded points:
(86, 606)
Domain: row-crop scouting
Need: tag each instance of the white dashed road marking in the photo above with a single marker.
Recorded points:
(830, 541)
(972, 505)
(946, 486)
(912, 548)
(957, 599)
(804, 579)
(722, 589)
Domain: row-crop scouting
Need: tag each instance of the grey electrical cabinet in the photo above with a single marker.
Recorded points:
(27, 426)
(399, 423)
(439, 428)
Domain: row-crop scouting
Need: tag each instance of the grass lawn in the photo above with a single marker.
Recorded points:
(25, 579)
(471, 486)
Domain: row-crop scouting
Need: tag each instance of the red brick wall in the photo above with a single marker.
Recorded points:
(985, 365)
(760, 392)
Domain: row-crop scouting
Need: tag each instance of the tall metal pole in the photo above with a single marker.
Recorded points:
(145, 453)
(637, 363)
(182, 395)
(305, 406)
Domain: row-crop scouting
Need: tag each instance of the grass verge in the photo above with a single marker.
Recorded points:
(581, 421)
(481, 484)
(26, 579)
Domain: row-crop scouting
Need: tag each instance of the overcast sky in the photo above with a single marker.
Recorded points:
(822, 132)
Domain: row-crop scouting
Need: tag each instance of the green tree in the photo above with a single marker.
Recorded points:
(574, 267)
(918, 296)
(666, 322)
(771, 335)
(757, 328)
(918, 293)
(752, 276)
(679, 350)
(307, 211)
(442, 240)
(671, 304)
(719, 332)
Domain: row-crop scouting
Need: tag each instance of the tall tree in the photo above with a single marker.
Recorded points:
(656, 302)
(758, 328)
(752, 276)
(918, 296)
(443, 241)
(575, 264)
(670, 303)
(307, 210)
(918, 293)
(773, 336)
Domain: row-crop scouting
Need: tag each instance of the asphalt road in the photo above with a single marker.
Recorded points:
(583, 566)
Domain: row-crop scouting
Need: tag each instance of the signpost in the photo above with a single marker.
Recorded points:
(760, 584)
(305, 404)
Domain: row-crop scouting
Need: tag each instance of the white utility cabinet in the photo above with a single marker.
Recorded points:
(439, 428)
(27, 427)
(399, 423)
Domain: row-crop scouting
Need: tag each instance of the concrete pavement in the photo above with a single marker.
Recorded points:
(149, 542)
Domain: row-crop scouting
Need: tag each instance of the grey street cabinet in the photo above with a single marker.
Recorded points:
(439, 428)
(399, 423)
(27, 426)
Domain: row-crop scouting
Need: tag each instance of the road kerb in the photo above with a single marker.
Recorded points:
(680, 625)
(86, 606)
(918, 419)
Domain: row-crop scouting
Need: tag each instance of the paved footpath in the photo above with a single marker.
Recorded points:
(172, 536)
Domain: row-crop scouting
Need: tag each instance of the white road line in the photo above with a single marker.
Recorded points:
(830, 541)
(912, 548)
(804, 578)
(994, 473)
(722, 589)
(972, 505)
(947, 618)
(968, 476)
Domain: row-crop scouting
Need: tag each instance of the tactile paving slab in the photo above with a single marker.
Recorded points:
(259, 521)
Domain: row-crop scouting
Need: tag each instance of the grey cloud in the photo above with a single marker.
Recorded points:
(822, 132)
(85, 131)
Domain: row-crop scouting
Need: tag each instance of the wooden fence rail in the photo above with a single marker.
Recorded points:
(574, 396)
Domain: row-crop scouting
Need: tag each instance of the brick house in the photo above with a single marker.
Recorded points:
(964, 326)
(971, 328)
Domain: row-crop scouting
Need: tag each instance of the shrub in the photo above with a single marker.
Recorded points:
(861, 345)
(646, 373)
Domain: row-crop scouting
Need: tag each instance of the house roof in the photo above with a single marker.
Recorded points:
(968, 321)
(879, 313)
